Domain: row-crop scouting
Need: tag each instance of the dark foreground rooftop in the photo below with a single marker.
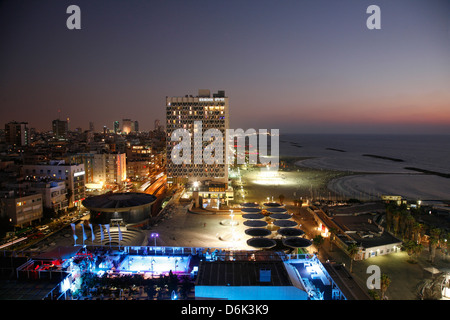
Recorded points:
(241, 273)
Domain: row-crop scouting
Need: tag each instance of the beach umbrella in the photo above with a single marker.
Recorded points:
(251, 210)
(249, 205)
(282, 216)
(290, 232)
(272, 204)
(255, 223)
(276, 210)
(296, 242)
(253, 216)
(261, 243)
(258, 232)
(285, 223)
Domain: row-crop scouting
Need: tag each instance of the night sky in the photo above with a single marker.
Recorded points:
(298, 66)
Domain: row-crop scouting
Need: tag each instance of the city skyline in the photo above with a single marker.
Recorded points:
(294, 65)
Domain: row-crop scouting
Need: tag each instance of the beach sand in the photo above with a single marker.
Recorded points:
(291, 181)
(205, 230)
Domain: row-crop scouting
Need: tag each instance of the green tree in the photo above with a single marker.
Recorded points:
(318, 241)
(333, 233)
(408, 226)
(390, 208)
(433, 245)
(417, 229)
(352, 250)
(410, 247)
(404, 221)
(418, 250)
(385, 281)
(395, 221)
(151, 290)
(374, 294)
(434, 242)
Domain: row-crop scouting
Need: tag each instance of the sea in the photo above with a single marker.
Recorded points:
(416, 167)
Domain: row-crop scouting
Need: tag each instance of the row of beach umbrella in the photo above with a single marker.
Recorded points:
(254, 219)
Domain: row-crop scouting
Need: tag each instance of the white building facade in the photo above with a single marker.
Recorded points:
(181, 113)
(103, 168)
(54, 194)
(72, 174)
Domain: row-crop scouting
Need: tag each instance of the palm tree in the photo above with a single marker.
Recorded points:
(385, 281)
(395, 221)
(318, 241)
(389, 216)
(403, 223)
(352, 250)
(417, 250)
(417, 230)
(409, 224)
(333, 232)
(434, 242)
(410, 248)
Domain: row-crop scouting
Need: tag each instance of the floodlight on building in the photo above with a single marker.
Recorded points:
(154, 236)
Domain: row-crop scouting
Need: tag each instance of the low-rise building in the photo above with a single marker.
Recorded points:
(102, 168)
(21, 208)
(212, 193)
(360, 224)
(54, 193)
(72, 174)
(371, 237)
(138, 169)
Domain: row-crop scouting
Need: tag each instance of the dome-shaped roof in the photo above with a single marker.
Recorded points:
(118, 200)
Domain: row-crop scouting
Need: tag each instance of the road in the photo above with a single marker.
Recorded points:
(157, 186)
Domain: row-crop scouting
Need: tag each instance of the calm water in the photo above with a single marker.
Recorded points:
(394, 154)
(430, 152)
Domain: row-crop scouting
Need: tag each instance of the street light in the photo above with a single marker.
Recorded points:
(154, 236)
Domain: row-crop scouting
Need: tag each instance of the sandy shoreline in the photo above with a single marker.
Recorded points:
(206, 230)
(371, 183)
(292, 181)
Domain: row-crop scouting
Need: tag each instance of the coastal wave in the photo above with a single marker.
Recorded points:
(409, 186)
(355, 163)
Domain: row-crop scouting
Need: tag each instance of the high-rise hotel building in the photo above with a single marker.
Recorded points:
(181, 113)
(16, 133)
